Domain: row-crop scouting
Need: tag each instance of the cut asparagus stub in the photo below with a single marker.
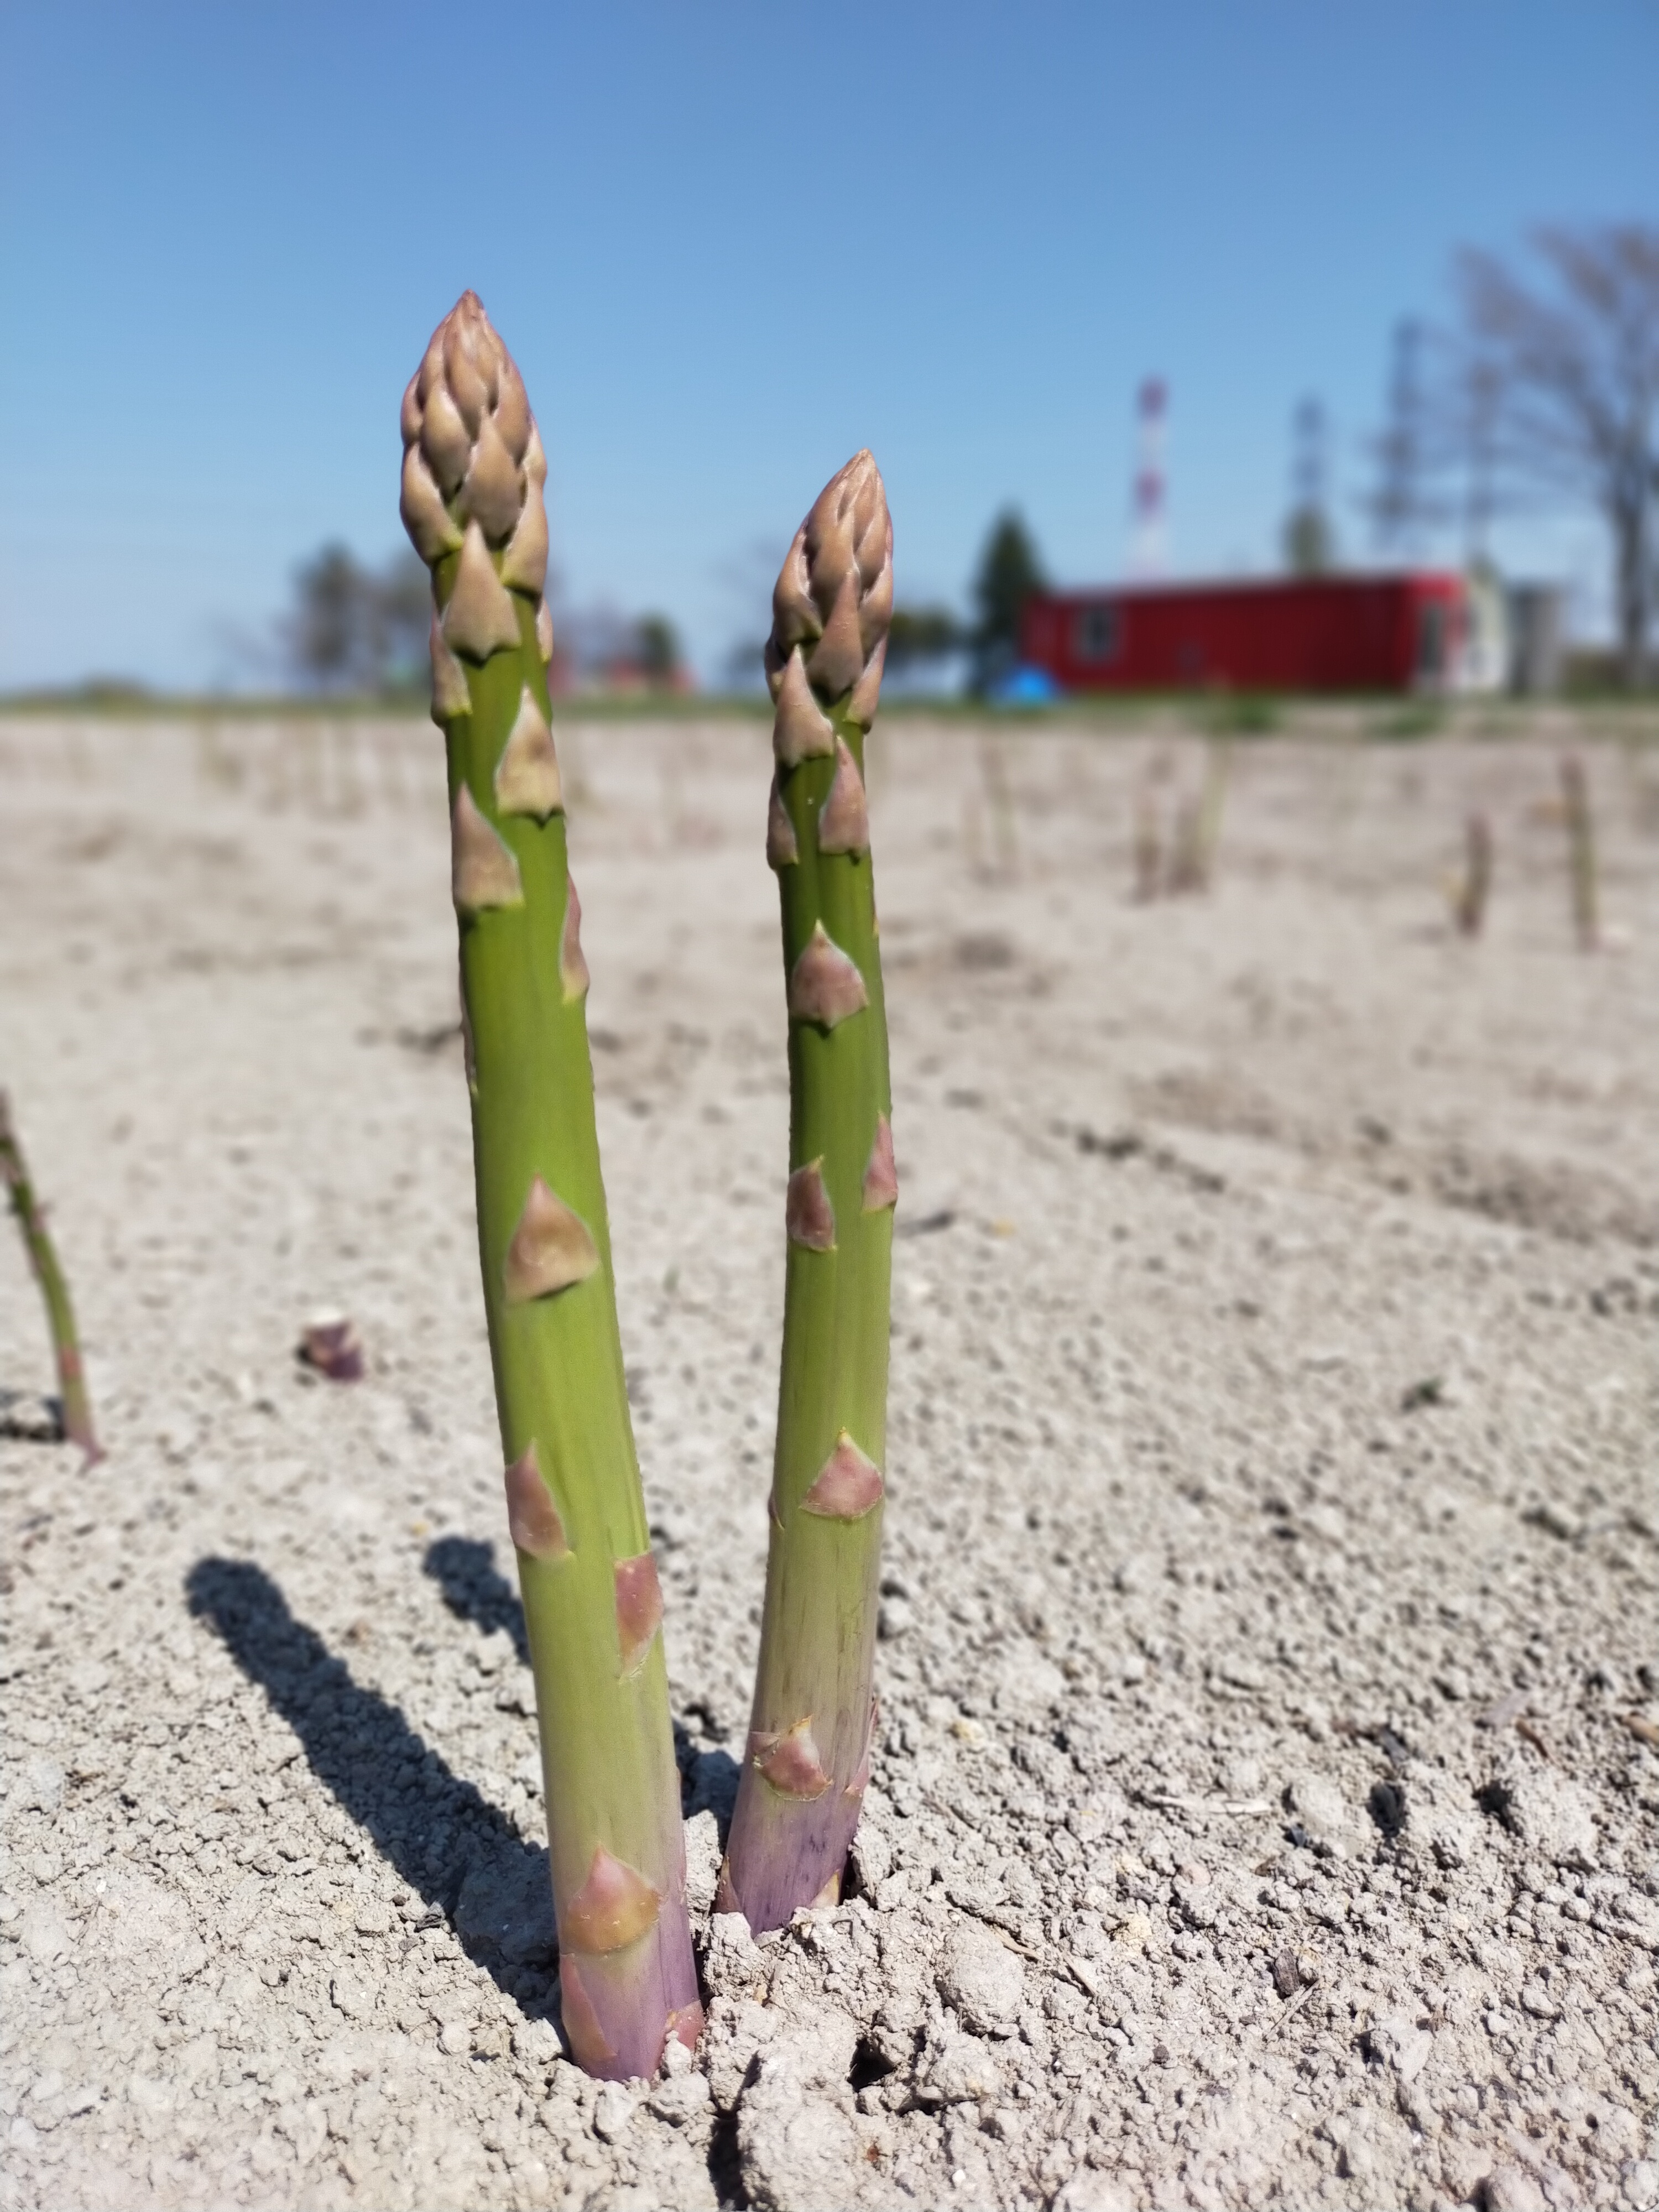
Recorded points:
(574, 1509)
(808, 1759)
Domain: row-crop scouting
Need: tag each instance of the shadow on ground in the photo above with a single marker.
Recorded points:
(445, 1840)
(475, 1589)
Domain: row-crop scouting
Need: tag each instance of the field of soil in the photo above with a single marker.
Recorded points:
(1266, 1810)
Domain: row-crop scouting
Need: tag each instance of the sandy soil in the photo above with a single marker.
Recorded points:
(1268, 1806)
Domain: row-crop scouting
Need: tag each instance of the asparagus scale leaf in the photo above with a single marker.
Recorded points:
(472, 504)
(807, 1760)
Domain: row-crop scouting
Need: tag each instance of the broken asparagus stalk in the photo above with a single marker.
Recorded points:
(807, 1760)
(76, 1409)
(1148, 849)
(1474, 887)
(473, 472)
(1581, 848)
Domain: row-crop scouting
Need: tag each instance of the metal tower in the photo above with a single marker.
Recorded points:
(1149, 549)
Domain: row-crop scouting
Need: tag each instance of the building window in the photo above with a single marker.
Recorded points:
(1095, 633)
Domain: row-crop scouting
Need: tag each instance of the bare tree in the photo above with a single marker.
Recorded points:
(352, 628)
(1568, 355)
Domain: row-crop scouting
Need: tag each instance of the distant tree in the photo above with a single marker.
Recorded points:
(657, 650)
(401, 610)
(1568, 352)
(1010, 572)
(917, 634)
(327, 630)
(352, 628)
(1310, 542)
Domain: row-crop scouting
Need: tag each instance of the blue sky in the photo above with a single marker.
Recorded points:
(728, 245)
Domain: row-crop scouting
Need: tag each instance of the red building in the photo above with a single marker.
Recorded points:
(1401, 633)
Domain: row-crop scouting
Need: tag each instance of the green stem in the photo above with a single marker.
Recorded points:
(472, 501)
(76, 1406)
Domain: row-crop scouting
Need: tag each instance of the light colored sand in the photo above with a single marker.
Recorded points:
(1273, 1397)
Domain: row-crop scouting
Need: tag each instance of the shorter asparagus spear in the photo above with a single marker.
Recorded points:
(1581, 842)
(60, 1314)
(1469, 902)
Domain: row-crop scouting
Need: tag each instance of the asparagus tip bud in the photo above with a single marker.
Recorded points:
(551, 1247)
(808, 1215)
(833, 597)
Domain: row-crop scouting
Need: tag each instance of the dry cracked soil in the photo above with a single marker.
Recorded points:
(1267, 1804)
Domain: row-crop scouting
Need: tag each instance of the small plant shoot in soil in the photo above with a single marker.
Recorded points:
(1581, 854)
(75, 1408)
(1473, 886)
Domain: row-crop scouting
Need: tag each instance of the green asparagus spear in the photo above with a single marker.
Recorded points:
(808, 1754)
(75, 1407)
(473, 472)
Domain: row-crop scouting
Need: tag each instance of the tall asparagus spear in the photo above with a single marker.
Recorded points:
(60, 1314)
(808, 1755)
(473, 472)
